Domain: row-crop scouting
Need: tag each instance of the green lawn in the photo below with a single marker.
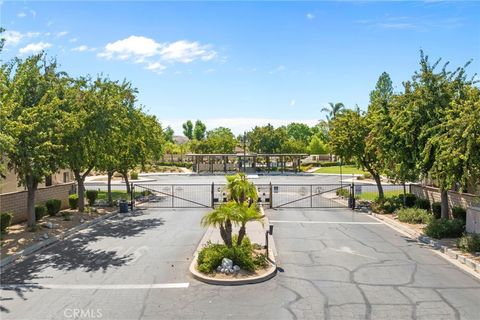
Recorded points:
(348, 169)
(372, 195)
(116, 195)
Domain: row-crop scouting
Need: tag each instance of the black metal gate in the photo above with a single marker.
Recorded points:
(307, 195)
(157, 195)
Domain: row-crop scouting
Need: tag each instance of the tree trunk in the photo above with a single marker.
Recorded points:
(81, 190)
(223, 234)
(241, 234)
(378, 181)
(228, 233)
(127, 183)
(32, 185)
(404, 195)
(444, 202)
(109, 188)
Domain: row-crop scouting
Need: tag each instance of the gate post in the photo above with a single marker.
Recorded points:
(213, 195)
(351, 199)
(173, 197)
(271, 196)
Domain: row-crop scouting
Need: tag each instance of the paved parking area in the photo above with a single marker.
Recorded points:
(333, 264)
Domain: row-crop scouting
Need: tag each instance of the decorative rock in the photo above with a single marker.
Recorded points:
(227, 263)
(219, 269)
(236, 269)
(45, 236)
(82, 220)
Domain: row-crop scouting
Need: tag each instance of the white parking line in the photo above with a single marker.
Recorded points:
(96, 286)
(323, 222)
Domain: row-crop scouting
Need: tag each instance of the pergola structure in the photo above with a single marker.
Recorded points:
(245, 162)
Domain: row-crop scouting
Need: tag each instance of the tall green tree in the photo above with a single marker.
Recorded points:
(199, 130)
(433, 91)
(349, 134)
(32, 119)
(168, 134)
(188, 129)
(218, 140)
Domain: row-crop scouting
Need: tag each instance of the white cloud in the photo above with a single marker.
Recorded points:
(133, 46)
(33, 48)
(147, 51)
(155, 67)
(83, 48)
(310, 16)
(293, 103)
(186, 52)
(13, 37)
(62, 33)
(21, 15)
(72, 40)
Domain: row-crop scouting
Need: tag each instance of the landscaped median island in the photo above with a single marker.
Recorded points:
(229, 254)
(422, 220)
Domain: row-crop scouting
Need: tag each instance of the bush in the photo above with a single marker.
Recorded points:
(437, 210)
(53, 206)
(443, 228)
(342, 192)
(459, 213)
(92, 195)
(5, 221)
(414, 215)
(73, 201)
(422, 204)
(134, 175)
(40, 211)
(387, 204)
(469, 243)
(410, 200)
(210, 257)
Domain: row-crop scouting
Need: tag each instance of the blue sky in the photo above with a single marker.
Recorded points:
(240, 64)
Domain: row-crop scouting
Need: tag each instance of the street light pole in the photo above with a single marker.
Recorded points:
(341, 176)
(244, 151)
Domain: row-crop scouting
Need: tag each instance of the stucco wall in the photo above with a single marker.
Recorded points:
(16, 202)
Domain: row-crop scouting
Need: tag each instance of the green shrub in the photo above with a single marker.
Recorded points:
(437, 210)
(53, 206)
(387, 204)
(410, 199)
(5, 221)
(328, 164)
(73, 201)
(211, 255)
(40, 211)
(459, 213)
(92, 195)
(134, 175)
(443, 228)
(414, 215)
(422, 204)
(342, 192)
(469, 243)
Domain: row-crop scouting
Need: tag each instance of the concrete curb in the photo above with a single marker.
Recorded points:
(420, 237)
(271, 272)
(5, 262)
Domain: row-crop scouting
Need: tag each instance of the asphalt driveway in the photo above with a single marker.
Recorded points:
(333, 264)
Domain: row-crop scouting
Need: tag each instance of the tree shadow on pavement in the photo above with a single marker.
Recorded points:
(74, 253)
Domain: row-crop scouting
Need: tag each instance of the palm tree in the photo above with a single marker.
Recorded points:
(241, 190)
(333, 109)
(222, 218)
(244, 215)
